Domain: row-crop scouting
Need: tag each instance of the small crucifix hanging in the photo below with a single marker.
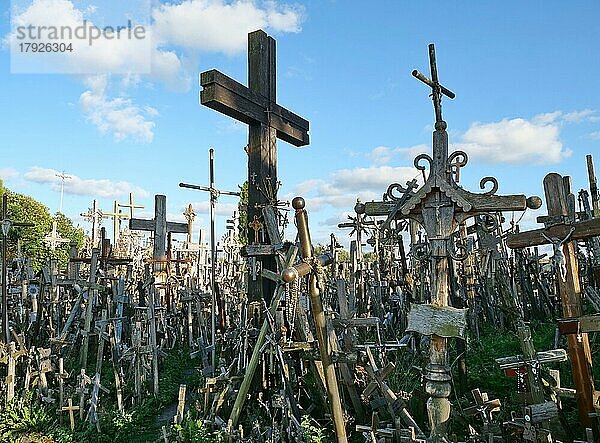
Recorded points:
(257, 226)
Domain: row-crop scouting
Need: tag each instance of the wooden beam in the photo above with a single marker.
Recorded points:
(583, 230)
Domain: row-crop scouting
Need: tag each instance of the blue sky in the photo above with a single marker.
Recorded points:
(524, 74)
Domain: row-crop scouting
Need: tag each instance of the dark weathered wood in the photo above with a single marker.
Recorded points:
(257, 106)
(583, 230)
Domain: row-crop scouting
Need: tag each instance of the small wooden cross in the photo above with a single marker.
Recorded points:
(483, 406)
(71, 408)
(131, 205)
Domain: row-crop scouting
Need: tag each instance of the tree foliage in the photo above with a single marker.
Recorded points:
(25, 209)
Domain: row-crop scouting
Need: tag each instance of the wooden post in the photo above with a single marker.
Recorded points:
(180, 405)
(89, 305)
(320, 321)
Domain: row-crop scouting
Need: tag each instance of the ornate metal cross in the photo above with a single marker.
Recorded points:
(440, 205)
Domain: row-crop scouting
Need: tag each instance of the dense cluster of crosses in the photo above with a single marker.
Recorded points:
(287, 338)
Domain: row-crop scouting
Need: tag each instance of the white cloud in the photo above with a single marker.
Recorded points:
(79, 186)
(8, 173)
(218, 25)
(344, 186)
(59, 21)
(514, 141)
(118, 116)
(595, 135)
(167, 55)
(203, 208)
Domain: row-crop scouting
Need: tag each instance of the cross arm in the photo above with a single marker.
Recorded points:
(138, 224)
(226, 95)
(583, 230)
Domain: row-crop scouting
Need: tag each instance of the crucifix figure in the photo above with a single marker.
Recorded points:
(189, 215)
(560, 224)
(256, 105)
(559, 259)
(440, 205)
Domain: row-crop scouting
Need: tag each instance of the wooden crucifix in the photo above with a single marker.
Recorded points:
(440, 205)
(256, 105)
(561, 230)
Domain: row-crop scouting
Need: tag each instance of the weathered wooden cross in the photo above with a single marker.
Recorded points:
(562, 231)
(71, 408)
(440, 205)
(160, 227)
(256, 105)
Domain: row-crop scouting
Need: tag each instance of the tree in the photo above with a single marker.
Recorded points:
(22, 208)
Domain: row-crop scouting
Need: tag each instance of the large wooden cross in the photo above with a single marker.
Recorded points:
(562, 231)
(256, 105)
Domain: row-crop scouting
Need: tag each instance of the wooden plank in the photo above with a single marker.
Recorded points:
(378, 208)
(443, 321)
(589, 323)
(272, 225)
(583, 230)
(257, 250)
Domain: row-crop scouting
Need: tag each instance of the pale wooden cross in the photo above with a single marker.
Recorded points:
(117, 215)
(54, 239)
(131, 205)
(256, 105)
(483, 406)
(71, 408)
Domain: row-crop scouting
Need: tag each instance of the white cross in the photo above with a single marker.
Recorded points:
(53, 239)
